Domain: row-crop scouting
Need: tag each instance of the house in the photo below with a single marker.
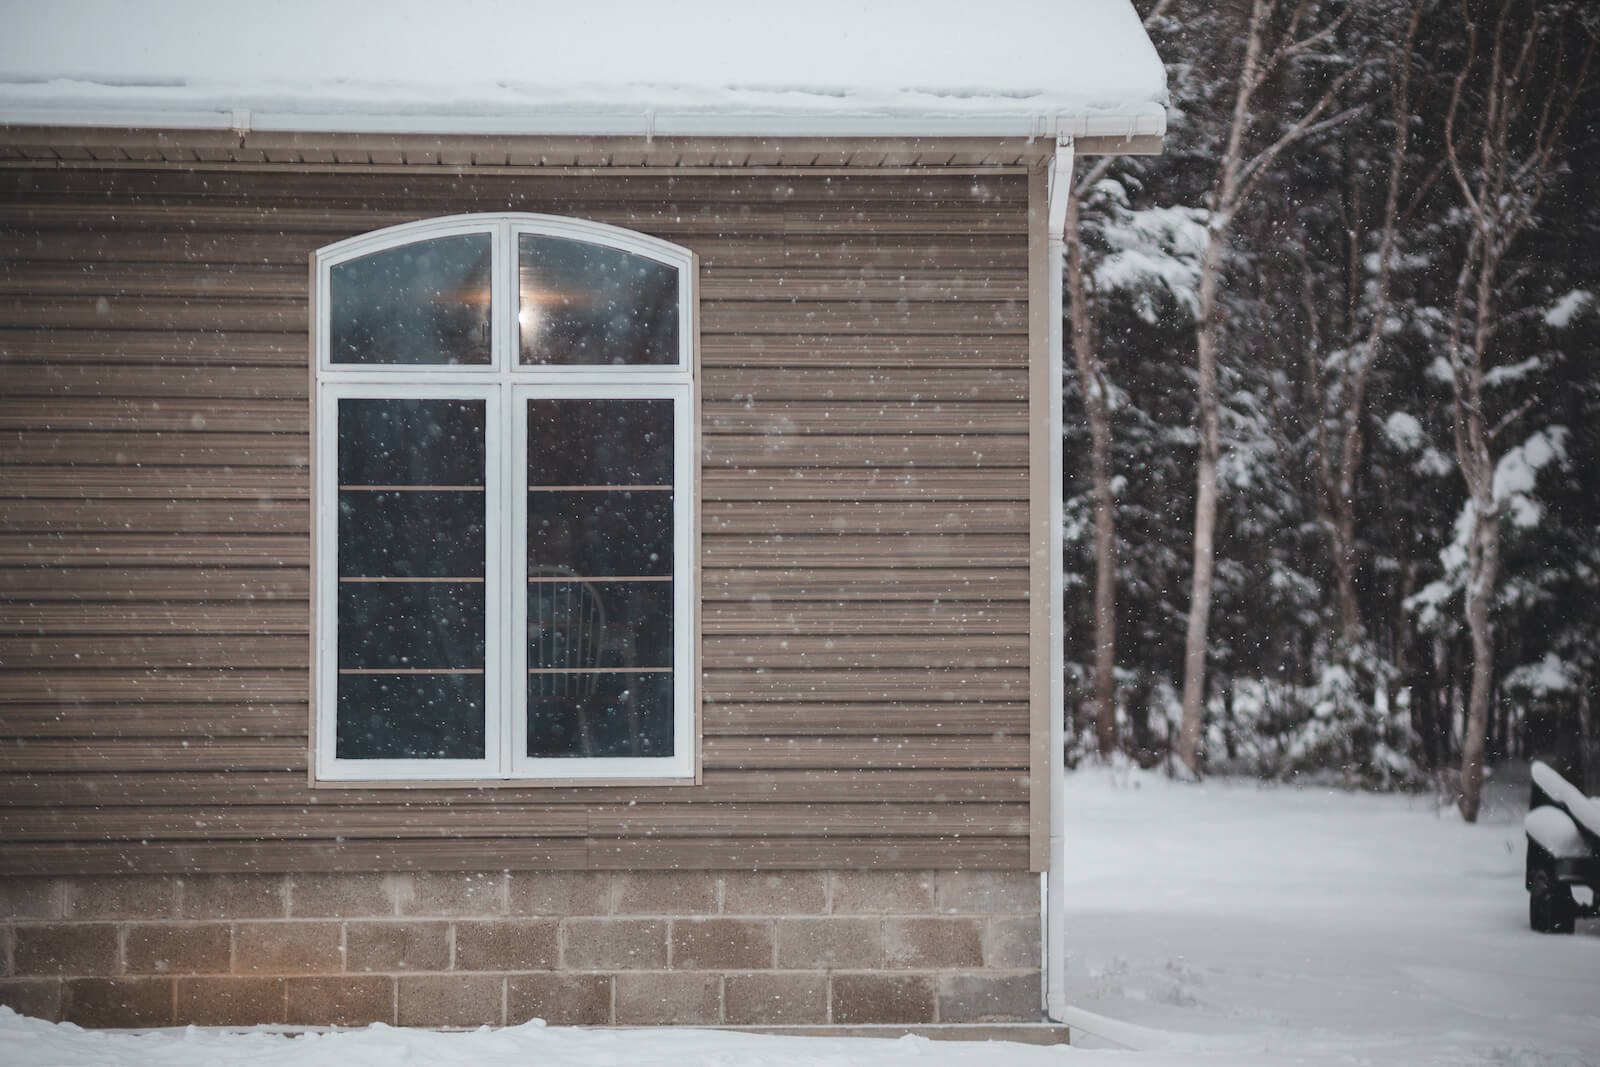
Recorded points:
(520, 511)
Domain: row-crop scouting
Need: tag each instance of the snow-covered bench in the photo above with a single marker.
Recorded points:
(1563, 829)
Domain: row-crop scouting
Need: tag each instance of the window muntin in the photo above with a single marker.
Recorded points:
(503, 561)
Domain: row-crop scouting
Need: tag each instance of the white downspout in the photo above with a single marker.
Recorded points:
(1055, 982)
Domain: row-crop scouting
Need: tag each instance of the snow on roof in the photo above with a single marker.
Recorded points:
(626, 67)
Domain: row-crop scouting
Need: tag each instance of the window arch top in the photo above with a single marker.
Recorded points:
(505, 292)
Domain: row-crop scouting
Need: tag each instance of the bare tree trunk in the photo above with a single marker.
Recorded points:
(1339, 484)
(1238, 174)
(1096, 390)
(1096, 402)
(1483, 543)
(1515, 138)
(1399, 649)
(1205, 514)
(1480, 595)
(1588, 739)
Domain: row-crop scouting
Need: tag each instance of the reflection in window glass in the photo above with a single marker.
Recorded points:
(599, 442)
(410, 442)
(411, 625)
(421, 303)
(581, 303)
(600, 563)
(601, 533)
(411, 534)
(410, 716)
(623, 714)
(597, 624)
(411, 546)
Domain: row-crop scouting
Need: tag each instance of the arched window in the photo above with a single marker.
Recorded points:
(504, 503)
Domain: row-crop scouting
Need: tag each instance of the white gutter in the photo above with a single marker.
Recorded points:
(1055, 897)
(1148, 120)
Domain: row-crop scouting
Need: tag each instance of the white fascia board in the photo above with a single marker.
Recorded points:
(1148, 120)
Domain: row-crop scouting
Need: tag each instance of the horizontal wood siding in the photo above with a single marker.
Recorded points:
(864, 527)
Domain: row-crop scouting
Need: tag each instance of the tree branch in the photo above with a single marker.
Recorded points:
(1505, 423)
(1252, 172)
(1452, 151)
(1305, 44)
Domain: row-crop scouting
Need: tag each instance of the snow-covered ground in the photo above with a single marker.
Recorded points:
(1252, 924)
(1223, 924)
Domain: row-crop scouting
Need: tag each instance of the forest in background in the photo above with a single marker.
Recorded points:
(1333, 409)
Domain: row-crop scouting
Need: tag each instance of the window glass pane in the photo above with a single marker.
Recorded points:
(599, 442)
(596, 624)
(410, 716)
(582, 303)
(601, 533)
(421, 303)
(600, 646)
(424, 534)
(600, 714)
(410, 442)
(410, 625)
(411, 650)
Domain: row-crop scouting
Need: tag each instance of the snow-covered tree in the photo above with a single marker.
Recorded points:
(1510, 104)
(1338, 638)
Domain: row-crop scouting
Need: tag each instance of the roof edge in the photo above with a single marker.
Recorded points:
(1101, 133)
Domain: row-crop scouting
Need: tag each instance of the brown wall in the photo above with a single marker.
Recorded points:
(864, 509)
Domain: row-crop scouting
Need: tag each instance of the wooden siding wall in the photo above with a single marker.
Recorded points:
(864, 511)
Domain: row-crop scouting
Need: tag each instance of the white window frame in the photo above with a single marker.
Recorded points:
(505, 386)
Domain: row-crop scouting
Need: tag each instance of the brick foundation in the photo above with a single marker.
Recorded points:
(735, 948)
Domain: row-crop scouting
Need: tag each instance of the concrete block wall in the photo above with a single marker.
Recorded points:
(466, 949)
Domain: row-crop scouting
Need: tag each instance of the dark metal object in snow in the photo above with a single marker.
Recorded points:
(1563, 829)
